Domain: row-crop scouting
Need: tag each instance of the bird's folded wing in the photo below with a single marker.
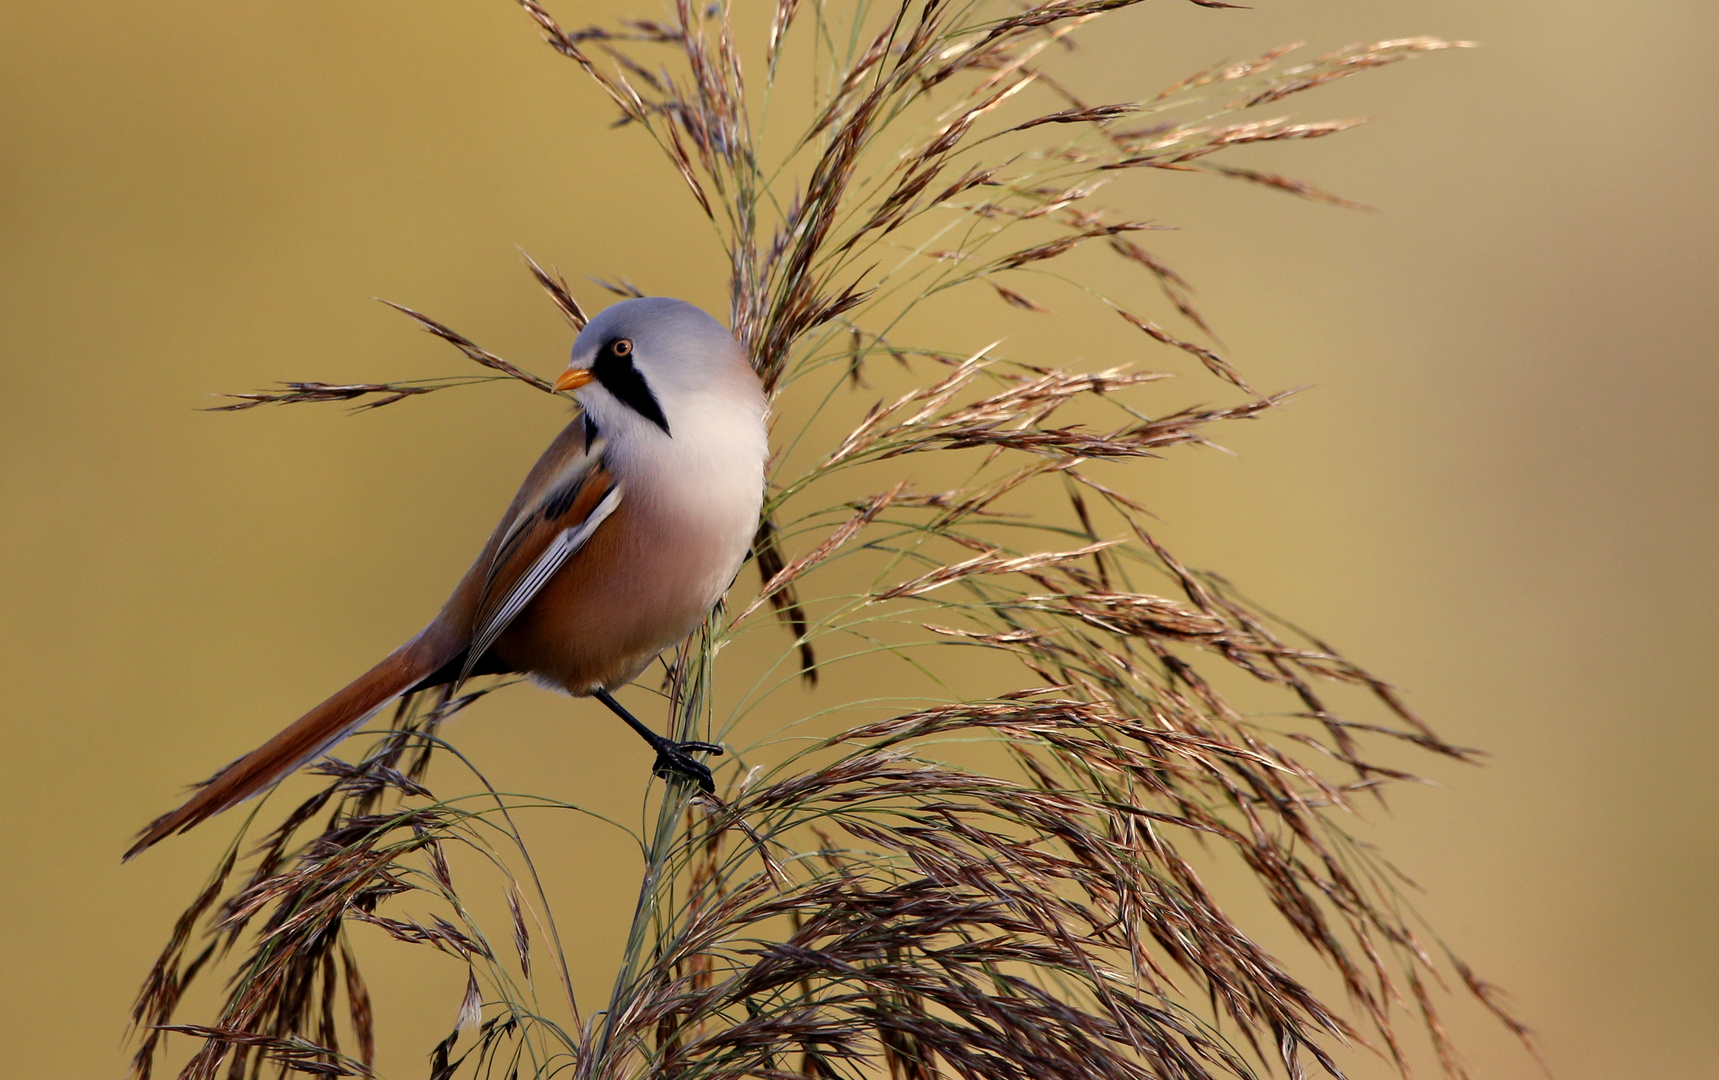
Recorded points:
(550, 527)
(565, 498)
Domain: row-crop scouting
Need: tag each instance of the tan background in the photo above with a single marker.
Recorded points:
(1499, 492)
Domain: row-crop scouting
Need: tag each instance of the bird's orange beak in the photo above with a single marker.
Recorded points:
(573, 379)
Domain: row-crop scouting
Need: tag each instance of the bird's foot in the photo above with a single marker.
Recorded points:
(674, 759)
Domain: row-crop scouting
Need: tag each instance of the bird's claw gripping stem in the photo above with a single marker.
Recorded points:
(673, 760)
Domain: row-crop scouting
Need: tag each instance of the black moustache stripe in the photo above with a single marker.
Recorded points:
(621, 379)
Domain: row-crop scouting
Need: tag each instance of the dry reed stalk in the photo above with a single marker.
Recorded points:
(863, 903)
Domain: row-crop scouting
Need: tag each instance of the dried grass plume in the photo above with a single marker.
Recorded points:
(1002, 885)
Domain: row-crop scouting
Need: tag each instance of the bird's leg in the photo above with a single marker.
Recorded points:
(673, 758)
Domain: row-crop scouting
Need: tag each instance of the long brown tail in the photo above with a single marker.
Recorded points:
(309, 736)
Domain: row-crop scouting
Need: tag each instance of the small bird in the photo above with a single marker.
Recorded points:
(625, 534)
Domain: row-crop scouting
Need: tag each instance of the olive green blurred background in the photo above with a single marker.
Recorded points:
(1499, 491)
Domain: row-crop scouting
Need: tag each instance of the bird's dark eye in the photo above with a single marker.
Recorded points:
(622, 347)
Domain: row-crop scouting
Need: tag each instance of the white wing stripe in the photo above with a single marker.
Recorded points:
(557, 553)
(569, 478)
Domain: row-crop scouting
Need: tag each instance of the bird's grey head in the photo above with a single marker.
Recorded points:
(655, 360)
